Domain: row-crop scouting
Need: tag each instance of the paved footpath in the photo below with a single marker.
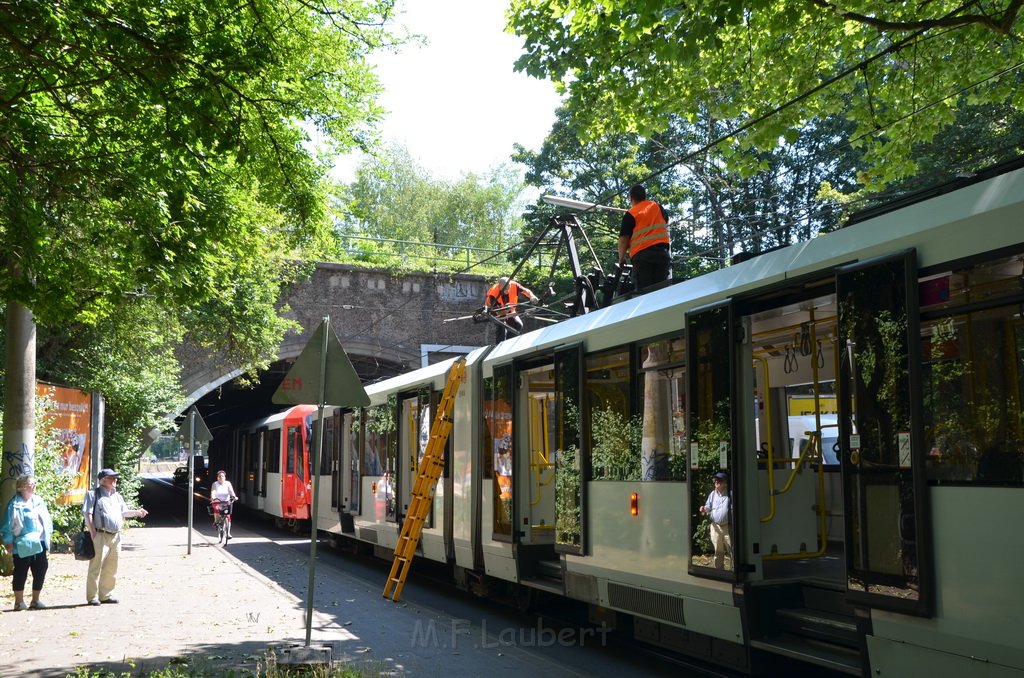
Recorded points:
(219, 611)
(168, 603)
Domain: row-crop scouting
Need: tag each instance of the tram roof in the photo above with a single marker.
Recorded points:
(989, 213)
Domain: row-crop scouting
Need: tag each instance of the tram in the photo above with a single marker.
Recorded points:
(861, 390)
(274, 453)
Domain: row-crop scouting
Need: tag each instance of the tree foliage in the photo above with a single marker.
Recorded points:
(395, 210)
(156, 176)
(715, 212)
(898, 72)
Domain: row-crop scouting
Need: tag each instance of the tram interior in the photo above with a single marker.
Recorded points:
(799, 530)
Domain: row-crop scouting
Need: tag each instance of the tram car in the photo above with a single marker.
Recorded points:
(274, 453)
(861, 393)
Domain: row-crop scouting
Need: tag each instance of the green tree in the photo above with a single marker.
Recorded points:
(896, 71)
(715, 212)
(154, 158)
(395, 210)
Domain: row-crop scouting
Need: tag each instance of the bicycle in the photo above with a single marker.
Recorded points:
(221, 512)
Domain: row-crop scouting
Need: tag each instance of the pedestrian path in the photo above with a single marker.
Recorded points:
(204, 609)
(234, 610)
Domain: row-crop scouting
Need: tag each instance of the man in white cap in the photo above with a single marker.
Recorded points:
(105, 511)
(718, 508)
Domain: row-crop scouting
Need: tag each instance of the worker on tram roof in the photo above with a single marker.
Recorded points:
(503, 299)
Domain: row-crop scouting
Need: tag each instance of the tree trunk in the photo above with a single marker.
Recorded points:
(19, 405)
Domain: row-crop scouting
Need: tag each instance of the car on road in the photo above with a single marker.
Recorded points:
(181, 475)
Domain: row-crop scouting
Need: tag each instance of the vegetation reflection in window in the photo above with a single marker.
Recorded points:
(568, 463)
(380, 453)
(614, 434)
(972, 393)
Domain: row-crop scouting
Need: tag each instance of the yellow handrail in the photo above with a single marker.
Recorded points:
(815, 454)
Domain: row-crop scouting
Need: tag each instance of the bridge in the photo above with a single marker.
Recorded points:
(388, 324)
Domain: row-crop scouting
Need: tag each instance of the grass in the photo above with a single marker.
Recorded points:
(266, 667)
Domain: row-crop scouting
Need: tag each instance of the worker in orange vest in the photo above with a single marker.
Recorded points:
(503, 296)
(644, 236)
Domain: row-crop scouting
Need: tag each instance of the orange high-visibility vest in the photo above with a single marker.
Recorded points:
(509, 298)
(650, 228)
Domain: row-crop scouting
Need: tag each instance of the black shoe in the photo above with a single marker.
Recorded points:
(112, 601)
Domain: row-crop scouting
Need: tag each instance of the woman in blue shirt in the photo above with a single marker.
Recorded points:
(26, 531)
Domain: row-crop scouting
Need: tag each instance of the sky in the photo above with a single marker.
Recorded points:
(456, 102)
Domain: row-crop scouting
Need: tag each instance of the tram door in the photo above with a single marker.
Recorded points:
(549, 512)
(413, 436)
(534, 438)
(797, 527)
(888, 554)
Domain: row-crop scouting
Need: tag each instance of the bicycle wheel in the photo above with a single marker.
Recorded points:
(220, 529)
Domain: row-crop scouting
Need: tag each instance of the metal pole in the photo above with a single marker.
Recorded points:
(191, 469)
(315, 472)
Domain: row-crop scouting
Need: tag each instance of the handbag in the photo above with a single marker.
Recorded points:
(84, 548)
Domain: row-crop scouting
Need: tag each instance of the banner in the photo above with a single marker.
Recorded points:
(72, 421)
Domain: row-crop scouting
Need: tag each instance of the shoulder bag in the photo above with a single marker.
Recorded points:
(84, 548)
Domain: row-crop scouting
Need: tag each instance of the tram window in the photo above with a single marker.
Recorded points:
(380, 424)
(662, 402)
(973, 386)
(328, 451)
(273, 454)
(293, 443)
(497, 433)
(614, 433)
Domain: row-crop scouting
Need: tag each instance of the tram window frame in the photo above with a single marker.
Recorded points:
(272, 453)
(711, 425)
(968, 305)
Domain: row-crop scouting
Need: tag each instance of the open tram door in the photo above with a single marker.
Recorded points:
(548, 492)
(835, 509)
(888, 544)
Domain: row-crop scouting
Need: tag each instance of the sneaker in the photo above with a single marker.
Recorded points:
(112, 601)
(94, 601)
(18, 607)
(38, 605)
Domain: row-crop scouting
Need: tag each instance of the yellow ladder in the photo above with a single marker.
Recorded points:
(426, 482)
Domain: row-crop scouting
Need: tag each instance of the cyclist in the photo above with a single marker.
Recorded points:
(221, 493)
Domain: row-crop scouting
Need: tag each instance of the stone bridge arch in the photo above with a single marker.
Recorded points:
(388, 324)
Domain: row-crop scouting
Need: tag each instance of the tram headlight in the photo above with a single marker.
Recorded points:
(634, 504)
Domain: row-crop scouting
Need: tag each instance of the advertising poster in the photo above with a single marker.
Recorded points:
(72, 419)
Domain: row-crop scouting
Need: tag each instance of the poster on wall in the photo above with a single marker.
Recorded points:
(72, 421)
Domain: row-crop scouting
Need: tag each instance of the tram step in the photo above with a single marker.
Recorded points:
(810, 651)
(822, 625)
(551, 569)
